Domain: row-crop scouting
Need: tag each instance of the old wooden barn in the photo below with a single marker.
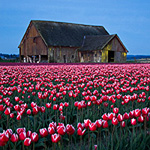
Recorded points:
(59, 42)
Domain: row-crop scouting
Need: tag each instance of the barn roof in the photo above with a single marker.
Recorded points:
(98, 42)
(66, 34)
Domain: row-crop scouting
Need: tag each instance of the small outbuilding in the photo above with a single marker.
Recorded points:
(59, 42)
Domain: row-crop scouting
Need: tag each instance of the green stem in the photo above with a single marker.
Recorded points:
(145, 126)
(112, 138)
(33, 145)
(80, 142)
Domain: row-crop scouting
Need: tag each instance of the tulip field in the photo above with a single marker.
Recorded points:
(78, 106)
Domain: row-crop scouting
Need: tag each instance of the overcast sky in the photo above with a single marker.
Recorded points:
(130, 19)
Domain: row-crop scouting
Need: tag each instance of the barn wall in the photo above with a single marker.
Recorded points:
(119, 51)
(90, 56)
(63, 54)
(33, 45)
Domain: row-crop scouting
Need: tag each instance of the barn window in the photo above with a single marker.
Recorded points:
(34, 40)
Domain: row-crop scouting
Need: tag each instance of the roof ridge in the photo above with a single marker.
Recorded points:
(67, 23)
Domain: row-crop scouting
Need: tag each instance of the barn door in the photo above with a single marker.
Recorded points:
(110, 56)
(65, 59)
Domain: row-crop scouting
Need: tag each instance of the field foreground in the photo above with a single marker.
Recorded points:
(84, 106)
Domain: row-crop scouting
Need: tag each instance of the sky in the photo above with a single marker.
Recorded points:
(129, 19)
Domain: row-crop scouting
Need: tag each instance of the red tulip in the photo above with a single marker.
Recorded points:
(145, 111)
(43, 132)
(80, 132)
(55, 107)
(11, 115)
(141, 119)
(105, 116)
(35, 110)
(34, 137)
(42, 109)
(27, 142)
(29, 111)
(137, 112)
(19, 130)
(99, 123)
(95, 147)
(87, 122)
(120, 117)
(122, 124)
(7, 111)
(61, 130)
(133, 121)
(80, 125)
(17, 107)
(126, 116)
(70, 129)
(51, 130)
(29, 133)
(14, 138)
(92, 126)
(17, 99)
(4, 137)
(115, 110)
(9, 131)
(2, 108)
(48, 105)
(22, 135)
(55, 138)
(105, 124)
(114, 121)
(110, 116)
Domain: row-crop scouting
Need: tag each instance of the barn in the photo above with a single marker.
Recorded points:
(59, 42)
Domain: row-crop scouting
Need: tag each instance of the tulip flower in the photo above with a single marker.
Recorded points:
(80, 125)
(114, 121)
(14, 138)
(122, 124)
(43, 132)
(80, 131)
(115, 110)
(51, 130)
(87, 122)
(105, 116)
(19, 130)
(55, 138)
(120, 118)
(99, 123)
(105, 124)
(92, 126)
(70, 129)
(22, 135)
(61, 130)
(27, 142)
(34, 137)
(95, 147)
(126, 116)
(29, 133)
(137, 112)
(133, 121)
(7, 111)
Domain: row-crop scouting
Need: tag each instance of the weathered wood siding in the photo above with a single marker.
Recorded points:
(119, 51)
(32, 44)
(58, 54)
(93, 56)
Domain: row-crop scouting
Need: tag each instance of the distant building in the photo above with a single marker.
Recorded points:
(48, 41)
